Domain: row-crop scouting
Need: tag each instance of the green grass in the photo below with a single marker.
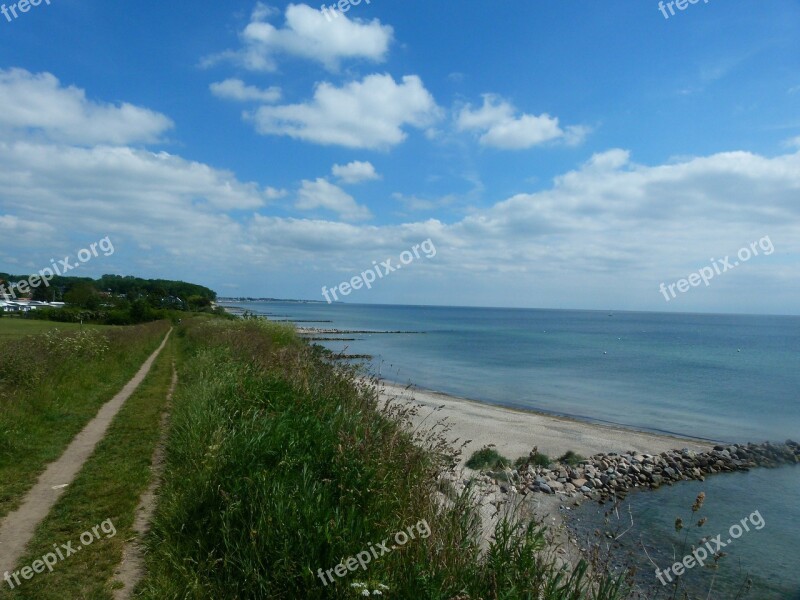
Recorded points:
(108, 487)
(51, 385)
(571, 458)
(487, 458)
(536, 459)
(15, 327)
(280, 464)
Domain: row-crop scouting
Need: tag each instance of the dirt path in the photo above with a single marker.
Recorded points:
(17, 529)
(131, 568)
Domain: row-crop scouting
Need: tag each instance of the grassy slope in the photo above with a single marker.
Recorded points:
(279, 464)
(47, 397)
(108, 487)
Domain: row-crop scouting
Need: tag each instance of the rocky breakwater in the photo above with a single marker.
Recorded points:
(606, 476)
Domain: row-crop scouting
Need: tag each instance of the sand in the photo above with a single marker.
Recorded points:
(515, 432)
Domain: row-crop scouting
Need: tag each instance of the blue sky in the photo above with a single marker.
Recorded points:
(571, 155)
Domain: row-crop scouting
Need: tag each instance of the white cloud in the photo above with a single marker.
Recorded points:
(323, 194)
(235, 89)
(608, 225)
(502, 127)
(355, 172)
(91, 176)
(307, 34)
(604, 234)
(362, 114)
(39, 105)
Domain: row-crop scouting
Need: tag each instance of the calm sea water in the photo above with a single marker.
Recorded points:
(732, 378)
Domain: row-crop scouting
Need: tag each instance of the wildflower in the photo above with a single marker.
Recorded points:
(702, 522)
(698, 503)
(678, 524)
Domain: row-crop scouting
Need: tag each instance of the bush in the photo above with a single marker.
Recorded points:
(571, 458)
(536, 459)
(487, 458)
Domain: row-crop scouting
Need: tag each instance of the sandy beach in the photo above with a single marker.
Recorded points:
(515, 432)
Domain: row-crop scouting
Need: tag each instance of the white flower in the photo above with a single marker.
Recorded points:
(365, 592)
(377, 593)
(358, 584)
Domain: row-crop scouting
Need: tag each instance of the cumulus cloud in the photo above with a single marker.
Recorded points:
(307, 34)
(91, 176)
(37, 104)
(371, 113)
(236, 89)
(607, 225)
(610, 230)
(323, 194)
(501, 126)
(355, 172)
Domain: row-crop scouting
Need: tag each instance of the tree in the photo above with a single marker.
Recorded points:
(83, 295)
(43, 293)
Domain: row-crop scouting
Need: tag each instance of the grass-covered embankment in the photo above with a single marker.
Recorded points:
(51, 385)
(280, 464)
(107, 490)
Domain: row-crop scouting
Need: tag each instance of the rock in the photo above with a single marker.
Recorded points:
(579, 482)
(545, 488)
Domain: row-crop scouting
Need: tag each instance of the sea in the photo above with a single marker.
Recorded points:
(722, 378)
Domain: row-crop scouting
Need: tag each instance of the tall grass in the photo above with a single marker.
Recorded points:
(51, 385)
(280, 464)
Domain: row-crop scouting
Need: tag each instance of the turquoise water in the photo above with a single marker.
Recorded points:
(769, 555)
(732, 378)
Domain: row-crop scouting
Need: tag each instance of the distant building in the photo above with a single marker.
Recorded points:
(23, 305)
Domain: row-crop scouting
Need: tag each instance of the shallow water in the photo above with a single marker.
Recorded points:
(768, 553)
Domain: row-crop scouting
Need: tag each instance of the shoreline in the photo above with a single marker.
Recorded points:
(514, 432)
